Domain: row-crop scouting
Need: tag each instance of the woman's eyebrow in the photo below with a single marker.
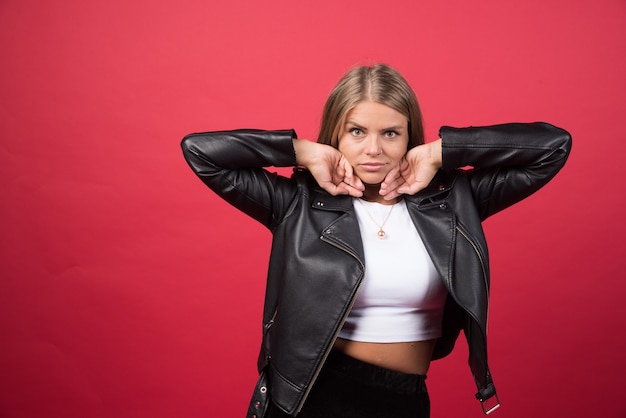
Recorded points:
(363, 128)
(394, 128)
(355, 124)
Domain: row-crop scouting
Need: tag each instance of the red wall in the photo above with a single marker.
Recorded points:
(128, 290)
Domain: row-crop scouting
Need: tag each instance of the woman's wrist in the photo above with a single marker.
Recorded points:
(308, 152)
(436, 153)
(301, 147)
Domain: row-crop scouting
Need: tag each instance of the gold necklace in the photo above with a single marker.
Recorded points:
(381, 232)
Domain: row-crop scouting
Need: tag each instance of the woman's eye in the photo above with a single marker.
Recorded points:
(390, 134)
(355, 131)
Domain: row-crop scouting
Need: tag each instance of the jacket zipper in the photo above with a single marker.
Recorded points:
(269, 323)
(482, 264)
(338, 330)
(466, 235)
(480, 257)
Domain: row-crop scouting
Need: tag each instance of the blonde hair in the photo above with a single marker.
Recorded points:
(380, 83)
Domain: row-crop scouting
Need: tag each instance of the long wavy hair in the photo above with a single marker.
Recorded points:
(379, 83)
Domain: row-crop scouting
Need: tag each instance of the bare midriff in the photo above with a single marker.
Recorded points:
(407, 357)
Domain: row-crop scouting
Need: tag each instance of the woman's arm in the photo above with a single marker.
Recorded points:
(231, 164)
(509, 161)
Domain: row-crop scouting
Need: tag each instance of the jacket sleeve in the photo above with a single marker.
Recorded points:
(508, 162)
(232, 163)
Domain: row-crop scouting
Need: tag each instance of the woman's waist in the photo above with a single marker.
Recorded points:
(408, 357)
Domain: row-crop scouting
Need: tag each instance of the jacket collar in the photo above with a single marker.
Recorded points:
(432, 225)
(343, 203)
(324, 201)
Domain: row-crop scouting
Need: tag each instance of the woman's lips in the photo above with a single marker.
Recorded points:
(372, 166)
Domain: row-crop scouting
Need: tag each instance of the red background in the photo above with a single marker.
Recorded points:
(127, 289)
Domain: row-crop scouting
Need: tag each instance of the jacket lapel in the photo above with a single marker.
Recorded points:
(436, 224)
(429, 211)
(342, 228)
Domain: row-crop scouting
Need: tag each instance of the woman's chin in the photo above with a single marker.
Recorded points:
(371, 179)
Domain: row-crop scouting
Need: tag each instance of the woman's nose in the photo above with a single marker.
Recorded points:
(373, 145)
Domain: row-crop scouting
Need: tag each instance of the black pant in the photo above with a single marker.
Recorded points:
(350, 388)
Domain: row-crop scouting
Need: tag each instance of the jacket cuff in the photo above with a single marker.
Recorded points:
(453, 156)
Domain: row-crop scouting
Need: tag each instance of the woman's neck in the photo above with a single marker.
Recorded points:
(371, 194)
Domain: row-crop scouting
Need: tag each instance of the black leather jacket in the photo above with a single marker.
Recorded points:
(317, 264)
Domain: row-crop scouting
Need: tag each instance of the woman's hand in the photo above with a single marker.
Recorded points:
(415, 172)
(329, 167)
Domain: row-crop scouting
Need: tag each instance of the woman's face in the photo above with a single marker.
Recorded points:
(373, 139)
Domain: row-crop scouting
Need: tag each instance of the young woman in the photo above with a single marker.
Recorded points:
(378, 257)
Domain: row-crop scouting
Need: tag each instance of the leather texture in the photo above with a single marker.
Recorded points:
(316, 263)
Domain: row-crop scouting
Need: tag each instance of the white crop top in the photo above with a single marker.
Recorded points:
(402, 296)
